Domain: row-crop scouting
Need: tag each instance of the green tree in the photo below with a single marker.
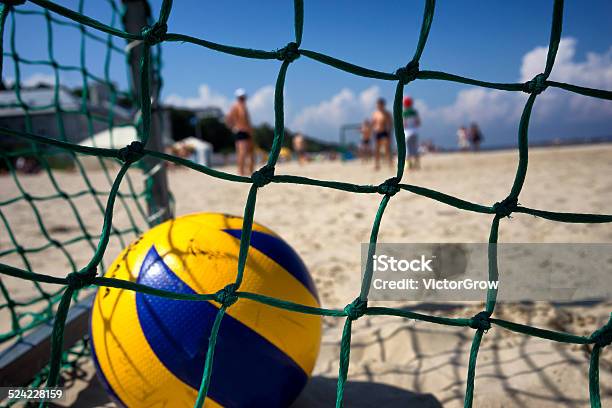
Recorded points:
(217, 133)
(181, 123)
(263, 136)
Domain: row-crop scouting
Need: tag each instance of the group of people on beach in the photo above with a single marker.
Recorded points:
(381, 126)
(378, 129)
(469, 138)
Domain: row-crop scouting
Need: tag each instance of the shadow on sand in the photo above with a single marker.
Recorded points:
(321, 391)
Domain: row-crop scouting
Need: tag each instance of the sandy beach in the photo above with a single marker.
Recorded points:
(394, 361)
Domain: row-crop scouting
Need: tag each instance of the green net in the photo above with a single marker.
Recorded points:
(133, 153)
(57, 206)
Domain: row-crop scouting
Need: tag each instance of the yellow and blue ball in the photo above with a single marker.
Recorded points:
(150, 351)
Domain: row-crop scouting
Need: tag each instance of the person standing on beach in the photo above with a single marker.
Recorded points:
(411, 124)
(382, 124)
(475, 136)
(463, 139)
(366, 134)
(299, 148)
(238, 121)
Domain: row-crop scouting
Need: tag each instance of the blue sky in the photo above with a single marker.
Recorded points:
(496, 41)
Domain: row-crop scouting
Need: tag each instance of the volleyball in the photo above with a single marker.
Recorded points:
(150, 351)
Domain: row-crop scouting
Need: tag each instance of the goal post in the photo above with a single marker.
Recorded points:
(345, 131)
(137, 14)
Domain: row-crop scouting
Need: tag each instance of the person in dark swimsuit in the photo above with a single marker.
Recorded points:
(241, 135)
(475, 136)
(382, 123)
(382, 135)
(238, 120)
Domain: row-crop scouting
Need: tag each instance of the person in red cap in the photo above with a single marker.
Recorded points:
(412, 122)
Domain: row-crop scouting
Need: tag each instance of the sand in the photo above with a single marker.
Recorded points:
(394, 361)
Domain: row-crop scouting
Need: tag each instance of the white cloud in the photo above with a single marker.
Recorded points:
(33, 80)
(501, 108)
(488, 106)
(496, 110)
(324, 119)
(260, 103)
(206, 97)
(39, 78)
(594, 72)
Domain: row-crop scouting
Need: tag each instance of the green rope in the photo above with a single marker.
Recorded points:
(155, 34)
(46, 302)
(345, 353)
(203, 391)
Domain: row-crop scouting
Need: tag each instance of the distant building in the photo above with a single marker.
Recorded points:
(40, 110)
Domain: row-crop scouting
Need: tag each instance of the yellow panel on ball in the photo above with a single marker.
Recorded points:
(150, 351)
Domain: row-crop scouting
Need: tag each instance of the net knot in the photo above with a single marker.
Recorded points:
(154, 34)
(408, 73)
(132, 152)
(289, 53)
(263, 176)
(227, 295)
(356, 309)
(603, 336)
(537, 85)
(481, 321)
(78, 280)
(389, 187)
(505, 207)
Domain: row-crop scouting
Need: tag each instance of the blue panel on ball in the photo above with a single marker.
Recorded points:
(281, 253)
(248, 370)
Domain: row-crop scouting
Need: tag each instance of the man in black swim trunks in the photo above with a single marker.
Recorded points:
(382, 124)
(238, 120)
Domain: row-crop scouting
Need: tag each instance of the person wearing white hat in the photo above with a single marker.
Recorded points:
(238, 121)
